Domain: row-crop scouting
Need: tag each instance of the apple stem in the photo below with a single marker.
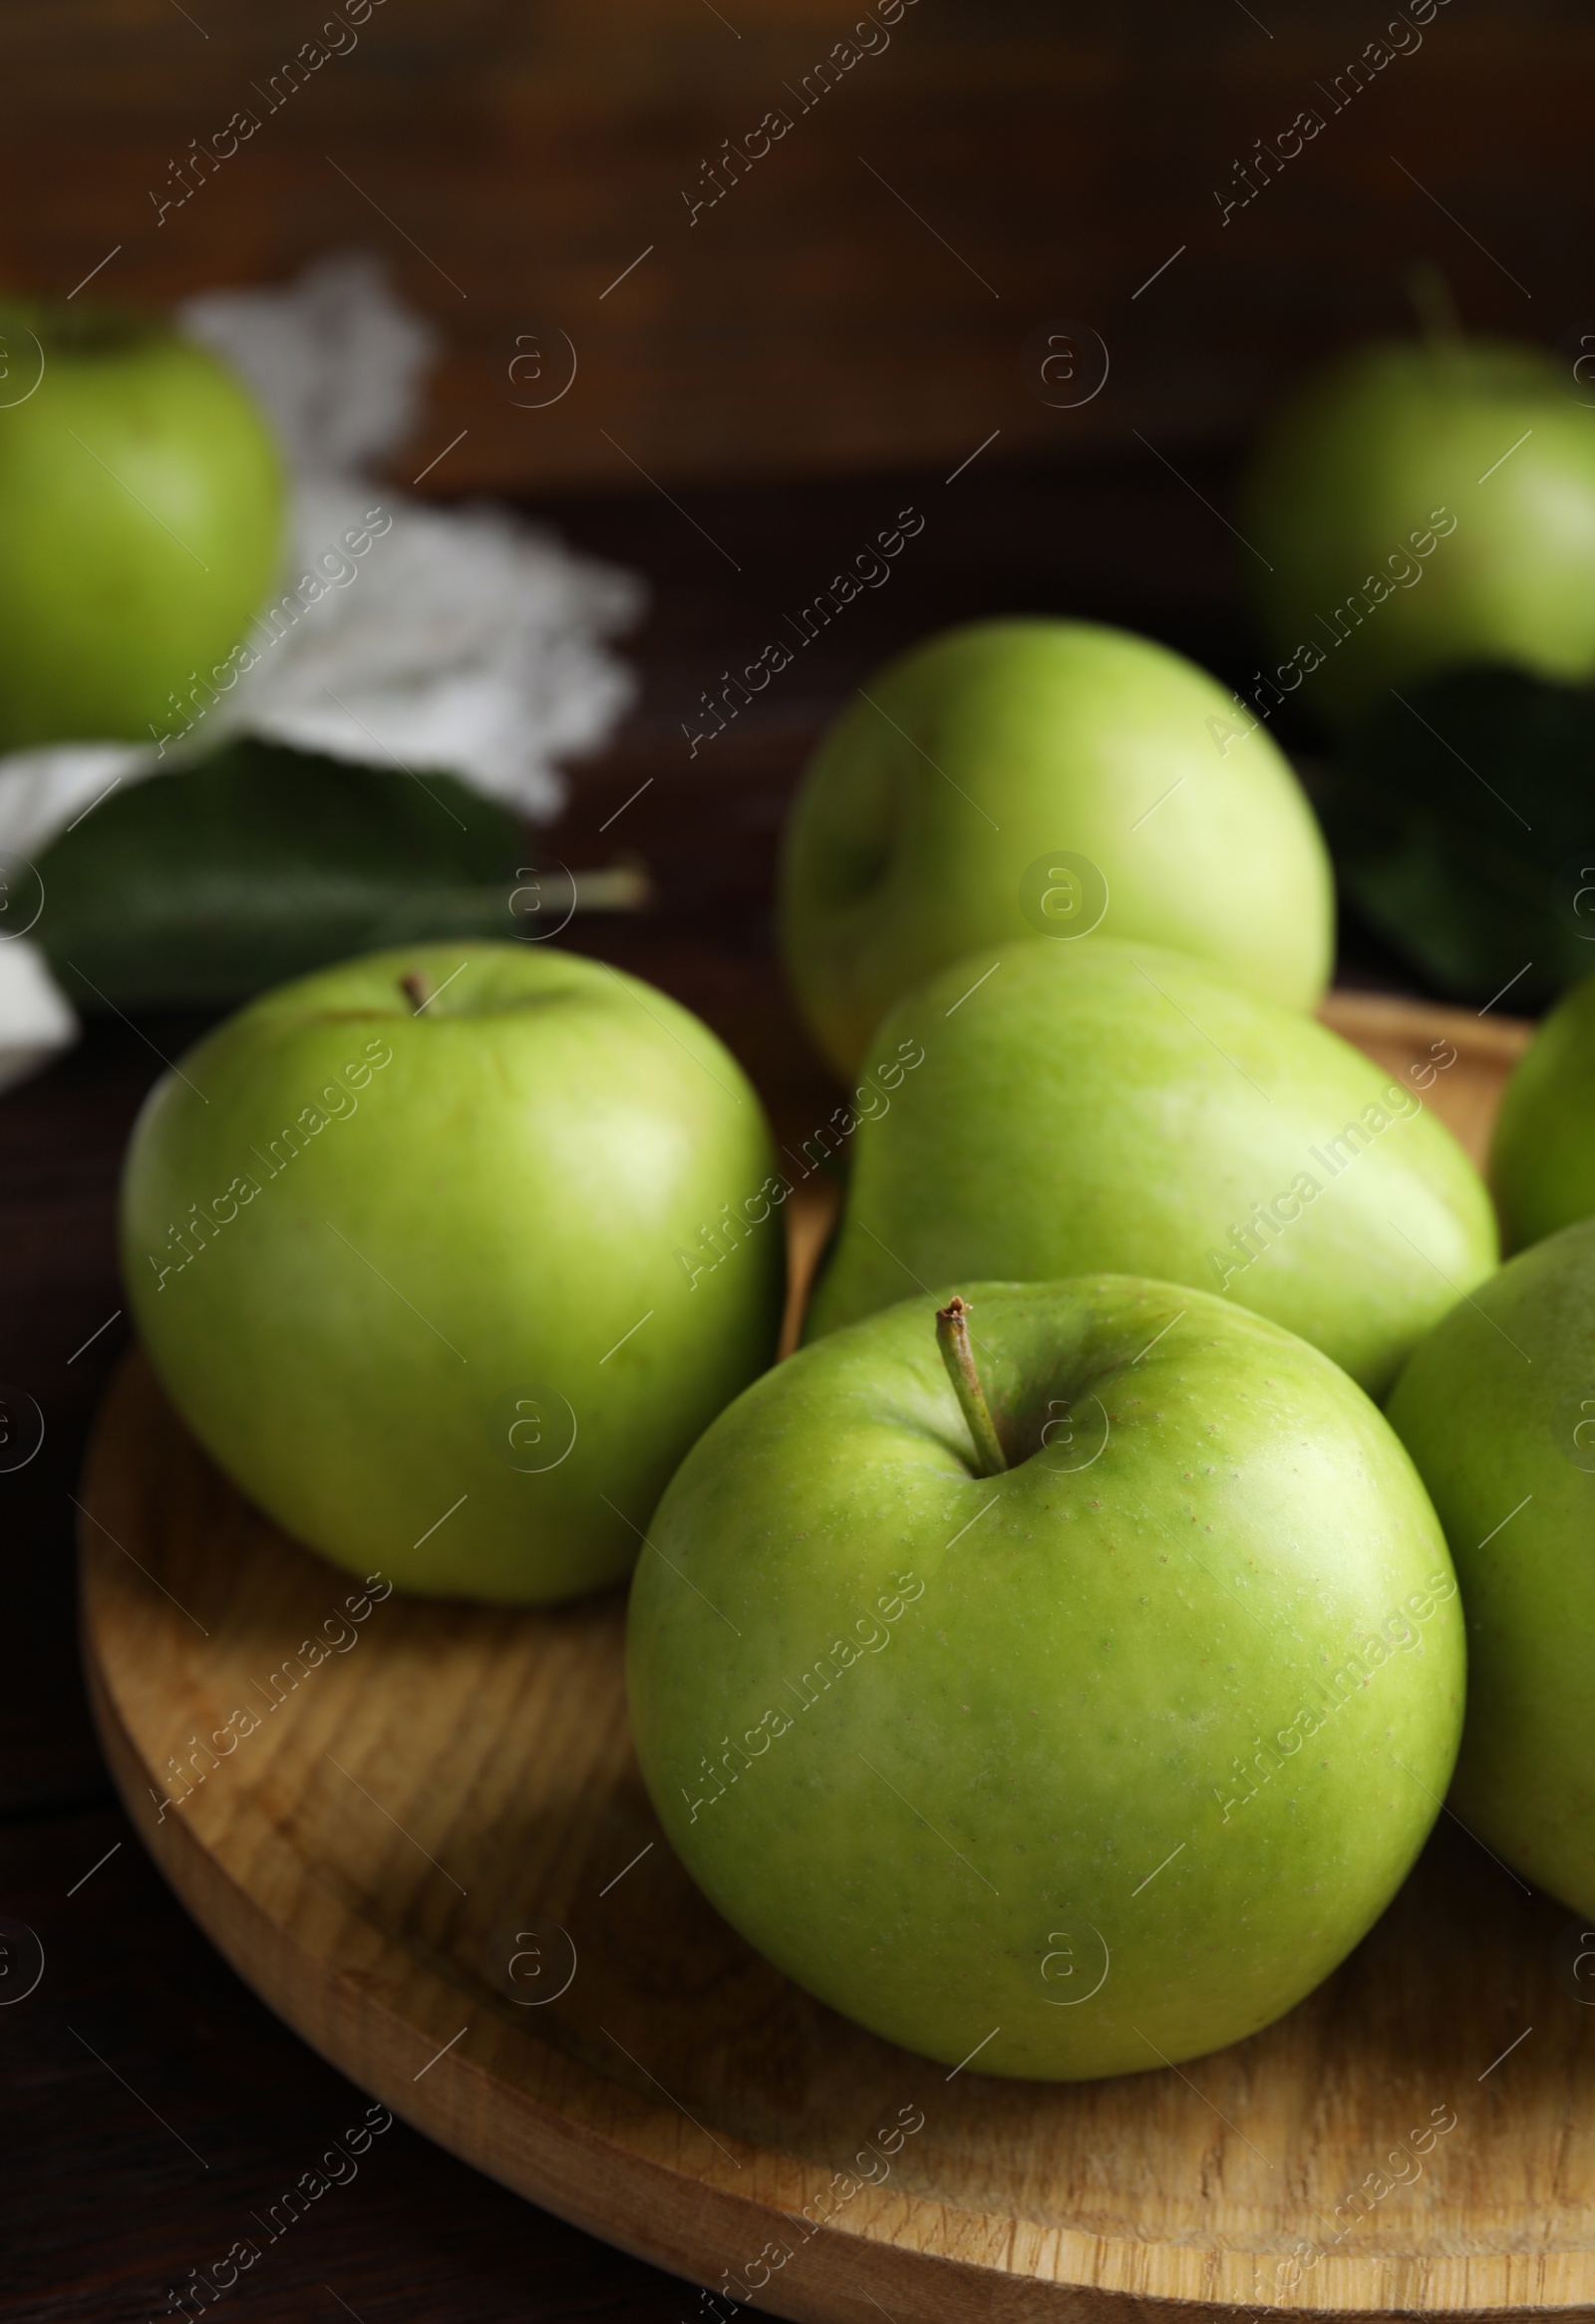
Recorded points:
(415, 989)
(952, 1337)
(1434, 307)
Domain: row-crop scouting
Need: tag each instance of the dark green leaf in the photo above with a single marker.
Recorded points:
(1461, 820)
(201, 889)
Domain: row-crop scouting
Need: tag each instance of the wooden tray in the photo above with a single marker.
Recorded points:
(435, 1858)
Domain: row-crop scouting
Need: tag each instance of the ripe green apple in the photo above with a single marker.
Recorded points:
(1497, 1409)
(1420, 506)
(1094, 1761)
(1111, 1105)
(1049, 777)
(141, 521)
(1542, 1154)
(419, 1248)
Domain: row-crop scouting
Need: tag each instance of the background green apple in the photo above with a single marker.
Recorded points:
(141, 521)
(1542, 1154)
(1109, 1105)
(1087, 1766)
(1497, 1409)
(1475, 448)
(451, 1293)
(1049, 778)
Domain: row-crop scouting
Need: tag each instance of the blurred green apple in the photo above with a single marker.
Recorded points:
(447, 1254)
(141, 523)
(1542, 1154)
(1420, 506)
(1097, 1759)
(1047, 777)
(1110, 1105)
(1497, 1409)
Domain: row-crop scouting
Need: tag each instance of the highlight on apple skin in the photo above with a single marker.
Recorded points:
(1096, 1763)
(447, 1254)
(1109, 1105)
(1497, 1409)
(1041, 776)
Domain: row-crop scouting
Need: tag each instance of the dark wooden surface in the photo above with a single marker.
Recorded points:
(866, 290)
(105, 2207)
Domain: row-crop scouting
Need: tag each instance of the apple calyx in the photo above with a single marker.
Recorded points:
(952, 1338)
(415, 989)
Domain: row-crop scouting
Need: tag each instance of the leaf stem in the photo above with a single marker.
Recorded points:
(952, 1337)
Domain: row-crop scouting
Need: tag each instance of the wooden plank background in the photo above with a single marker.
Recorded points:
(865, 289)
(512, 156)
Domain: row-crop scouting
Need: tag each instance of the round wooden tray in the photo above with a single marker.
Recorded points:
(431, 1851)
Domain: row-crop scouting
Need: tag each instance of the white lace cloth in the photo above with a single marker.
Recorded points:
(461, 640)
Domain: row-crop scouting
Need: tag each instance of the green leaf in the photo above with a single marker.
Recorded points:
(201, 889)
(1461, 820)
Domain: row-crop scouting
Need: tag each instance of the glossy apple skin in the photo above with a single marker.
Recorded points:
(1361, 460)
(986, 748)
(946, 1748)
(435, 1294)
(142, 508)
(1542, 1154)
(1497, 1409)
(1108, 1105)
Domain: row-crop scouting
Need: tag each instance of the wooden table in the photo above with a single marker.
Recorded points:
(139, 2051)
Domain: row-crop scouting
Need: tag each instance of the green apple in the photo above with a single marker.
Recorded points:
(1091, 1756)
(1110, 1105)
(447, 1254)
(1497, 1409)
(141, 523)
(1421, 505)
(1049, 778)
(1542, 1154)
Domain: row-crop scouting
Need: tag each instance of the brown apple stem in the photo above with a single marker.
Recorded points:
(415, 989)
(1434, 307)
(952, 1337)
